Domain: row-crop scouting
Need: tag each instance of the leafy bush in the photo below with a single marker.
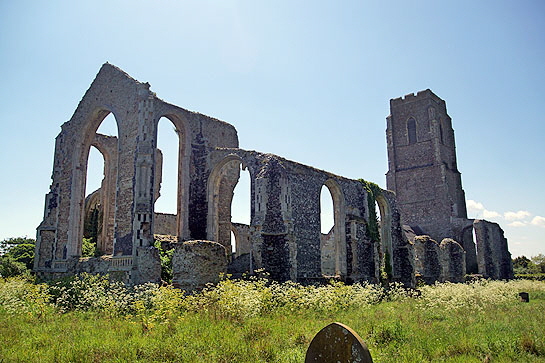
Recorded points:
(97, 293)
(474, 296)
(533, 265)
(537, 277)
(166, 261)
(89, 247)
(9, 267)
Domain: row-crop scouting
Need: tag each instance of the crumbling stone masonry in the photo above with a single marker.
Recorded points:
(493, 257)
(284, 233)
(423, 172)
(196, 263)
(283, 236)
(438, 262)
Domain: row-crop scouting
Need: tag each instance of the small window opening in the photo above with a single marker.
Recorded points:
(411, 130)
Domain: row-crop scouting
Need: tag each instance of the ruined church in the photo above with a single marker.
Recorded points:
(421, 232)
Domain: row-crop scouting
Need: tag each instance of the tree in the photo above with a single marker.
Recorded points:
(9, 267)
(8, 243)
(539, 262)
(17, 256)
(521, 262)
(533, 265)
(23, 253)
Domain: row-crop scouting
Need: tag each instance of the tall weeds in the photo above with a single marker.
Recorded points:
(90, 318)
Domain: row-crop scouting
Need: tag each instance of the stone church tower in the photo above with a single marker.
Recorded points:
(422, 168)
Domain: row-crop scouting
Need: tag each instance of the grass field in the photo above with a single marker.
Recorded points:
(89, 319)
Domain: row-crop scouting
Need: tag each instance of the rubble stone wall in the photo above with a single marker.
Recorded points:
(285, 221)
(284, 234)
(196, 263)
(493, 256)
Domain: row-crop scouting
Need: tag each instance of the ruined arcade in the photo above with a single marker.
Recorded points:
(283, 236)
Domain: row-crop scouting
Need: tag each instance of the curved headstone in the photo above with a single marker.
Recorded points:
(338, 343)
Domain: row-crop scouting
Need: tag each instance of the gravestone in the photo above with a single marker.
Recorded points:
(338, 343)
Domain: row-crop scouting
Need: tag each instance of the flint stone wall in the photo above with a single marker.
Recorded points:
(242, 237)
(285, 220)
(493, 256)
(284, 232)
(196, 263)
(439, 262)
(137, 111)
(427, 259)
(453, 262)
(165, 224)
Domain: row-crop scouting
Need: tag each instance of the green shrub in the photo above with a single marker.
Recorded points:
(166, 261)
(9, 267)
(89, 247)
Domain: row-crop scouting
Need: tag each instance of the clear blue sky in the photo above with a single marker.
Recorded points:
(308, 80)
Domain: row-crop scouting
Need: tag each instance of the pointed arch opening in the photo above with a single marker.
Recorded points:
(332, 234)
(384, 219)
(100, 190)
(166, 176)
(171, 178)
(233, 243)
(241, 214)
(220, 193)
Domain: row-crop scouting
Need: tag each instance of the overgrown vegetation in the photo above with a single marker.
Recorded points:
(373, 227)
(165, 254)
(89, 318)
(373, 191)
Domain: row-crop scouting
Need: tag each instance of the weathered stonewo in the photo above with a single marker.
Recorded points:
(423, 172)
(147, 266)
(242, 236)
(129, 225)
(453, 261)
(422, 167)
(165, 224)
(427, 259)
(285, 231)
(493, 255)
(283, 236)
(197, 263)
(337, 343)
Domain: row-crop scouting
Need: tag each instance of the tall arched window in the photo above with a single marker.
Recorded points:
(332, 237)
(411, 130)
(100, 190)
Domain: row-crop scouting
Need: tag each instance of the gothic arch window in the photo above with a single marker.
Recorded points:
(411, 130)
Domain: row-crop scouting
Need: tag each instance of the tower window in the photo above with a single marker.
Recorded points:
(411, 130)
